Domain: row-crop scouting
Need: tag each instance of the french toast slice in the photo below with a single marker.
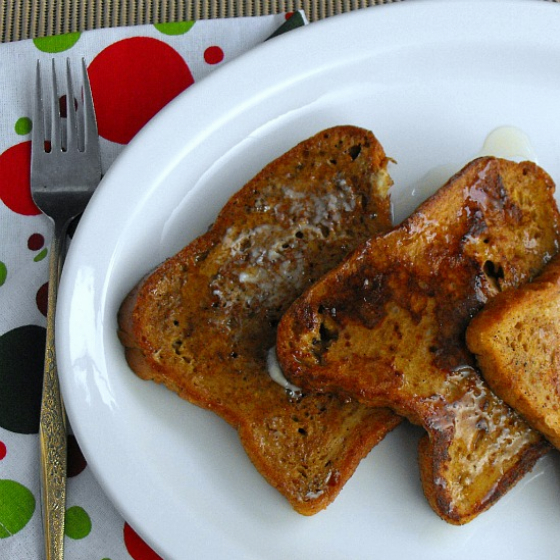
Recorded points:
(516, 340)
(387, 327)
(204, 323)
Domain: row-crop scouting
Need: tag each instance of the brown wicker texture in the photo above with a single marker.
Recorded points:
(24, 19)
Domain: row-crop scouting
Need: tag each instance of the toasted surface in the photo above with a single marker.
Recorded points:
(204, 321)
(387, 327)
(516, 339)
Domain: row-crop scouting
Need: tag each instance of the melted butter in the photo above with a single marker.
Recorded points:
(485, 432)
(277, 375)
(507, 142)
(267, 264)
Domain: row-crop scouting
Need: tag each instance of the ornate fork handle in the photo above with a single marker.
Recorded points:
(52, 429)
(65, 170)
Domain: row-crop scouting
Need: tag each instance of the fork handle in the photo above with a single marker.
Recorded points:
(52, 426)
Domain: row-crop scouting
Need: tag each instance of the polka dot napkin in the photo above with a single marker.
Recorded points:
(161, 61)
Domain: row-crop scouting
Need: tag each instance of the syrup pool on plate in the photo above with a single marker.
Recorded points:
(508, 142)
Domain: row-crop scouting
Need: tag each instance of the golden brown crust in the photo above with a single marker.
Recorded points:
(204, 321)
(387, 327)
(516, 339)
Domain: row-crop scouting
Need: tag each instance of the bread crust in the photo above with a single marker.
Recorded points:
(387, 327)
(203, 322)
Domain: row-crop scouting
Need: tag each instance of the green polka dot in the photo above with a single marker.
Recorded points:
(40, 256)
(3, 273)
(174, 28)
(77, 523)
(58, 43)
(16, 507)
(23, 126)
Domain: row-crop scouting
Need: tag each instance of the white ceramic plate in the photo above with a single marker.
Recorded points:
(431, 79)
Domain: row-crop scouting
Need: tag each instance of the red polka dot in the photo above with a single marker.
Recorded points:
(15, 185)
(42, 298)
(131, 80)
(288, 15)
(3, 450)
(213, 55)
(35, 242)
(63, 106)
(136, 547)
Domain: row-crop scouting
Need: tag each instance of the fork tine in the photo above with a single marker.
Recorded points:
(91, 138)
(38, 130)
(71, 130)
(55, 113)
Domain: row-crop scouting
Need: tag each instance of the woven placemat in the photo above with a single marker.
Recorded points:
(24, 19)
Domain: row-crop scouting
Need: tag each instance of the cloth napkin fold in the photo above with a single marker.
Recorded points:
(134, 72)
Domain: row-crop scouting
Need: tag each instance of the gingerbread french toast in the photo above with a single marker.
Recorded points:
(387, 327)
(516, 340)
(204, 322)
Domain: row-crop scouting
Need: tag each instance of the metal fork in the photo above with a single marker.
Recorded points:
(65, 169)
